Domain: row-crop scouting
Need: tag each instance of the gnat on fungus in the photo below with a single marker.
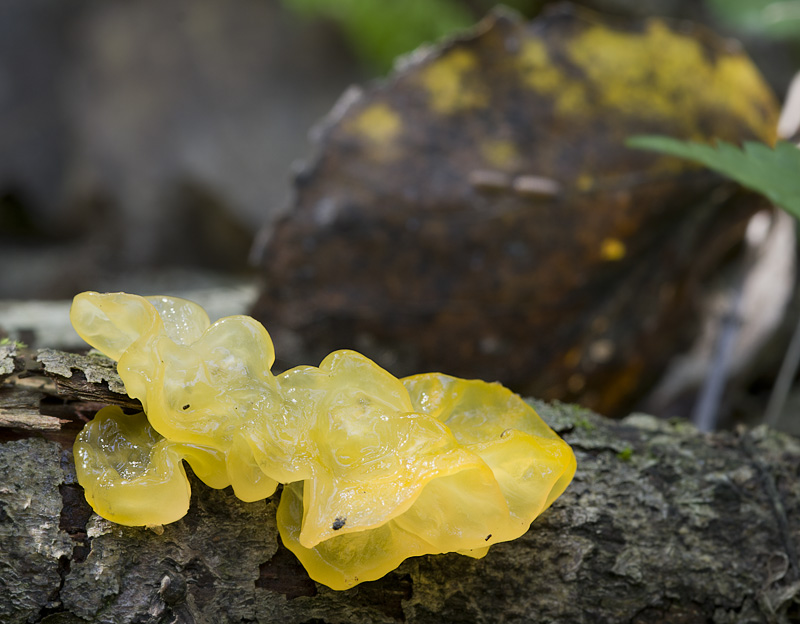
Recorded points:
(376, 469)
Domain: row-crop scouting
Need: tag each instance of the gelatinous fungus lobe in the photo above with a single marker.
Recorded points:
(376, 469)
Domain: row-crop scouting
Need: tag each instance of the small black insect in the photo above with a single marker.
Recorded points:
(185, 407)
(487, 537)
(338, 523)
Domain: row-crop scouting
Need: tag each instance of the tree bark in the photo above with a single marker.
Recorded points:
(661, 524)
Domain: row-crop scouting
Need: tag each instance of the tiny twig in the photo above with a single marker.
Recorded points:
(706, 409)
(783, 384)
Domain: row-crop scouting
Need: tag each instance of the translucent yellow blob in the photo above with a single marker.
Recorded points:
(376, 469)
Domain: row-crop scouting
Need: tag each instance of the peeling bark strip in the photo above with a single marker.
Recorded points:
(9, 360)
(90, 377)
(54, 393)
(662, 524)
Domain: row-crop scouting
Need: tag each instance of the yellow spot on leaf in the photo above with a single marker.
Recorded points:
(584, 182)
(378, 123)
(673, 77)
(653, 86)
(657, 74)
(612, 249)
(571, 99)
(378, 126)
(542, 75)
(453, 83)
(499, 153)
(537, 70)
(742, 87)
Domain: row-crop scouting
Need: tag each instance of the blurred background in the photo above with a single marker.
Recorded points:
(141, 137)
(144, 146)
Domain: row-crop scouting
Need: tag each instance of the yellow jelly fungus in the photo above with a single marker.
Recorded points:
(377, 469)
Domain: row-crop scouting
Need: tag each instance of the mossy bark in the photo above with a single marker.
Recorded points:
(661, 524)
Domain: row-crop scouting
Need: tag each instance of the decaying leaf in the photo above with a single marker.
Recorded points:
(479, 214)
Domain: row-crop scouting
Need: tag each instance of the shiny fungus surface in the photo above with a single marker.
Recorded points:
(376, 469)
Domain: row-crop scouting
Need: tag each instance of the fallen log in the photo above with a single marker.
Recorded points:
(661, 524)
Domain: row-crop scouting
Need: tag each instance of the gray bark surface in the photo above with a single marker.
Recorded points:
(661, 524)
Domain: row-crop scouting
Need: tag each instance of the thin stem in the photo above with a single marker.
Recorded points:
(783, 384)
(706, 409)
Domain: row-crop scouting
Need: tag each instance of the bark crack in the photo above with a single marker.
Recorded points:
(778, 507)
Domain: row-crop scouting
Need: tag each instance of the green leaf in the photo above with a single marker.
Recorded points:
(380, 31)
(775, 173)
(763, 18)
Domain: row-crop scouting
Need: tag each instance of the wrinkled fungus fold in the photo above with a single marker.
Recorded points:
(376, 469)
